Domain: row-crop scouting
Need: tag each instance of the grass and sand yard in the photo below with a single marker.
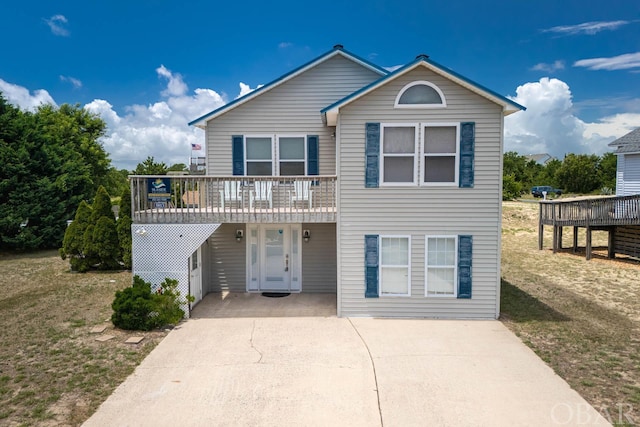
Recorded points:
(581, 317)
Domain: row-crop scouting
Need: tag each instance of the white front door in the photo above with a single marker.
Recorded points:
(274, 258)
(195, 275)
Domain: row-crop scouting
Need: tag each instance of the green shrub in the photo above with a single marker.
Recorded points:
(123, 227)
(138, 308)
(133, 306)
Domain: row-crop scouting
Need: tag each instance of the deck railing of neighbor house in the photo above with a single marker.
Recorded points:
(238, 199)
(602, 211)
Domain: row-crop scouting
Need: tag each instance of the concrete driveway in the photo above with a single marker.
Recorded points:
(328, 371)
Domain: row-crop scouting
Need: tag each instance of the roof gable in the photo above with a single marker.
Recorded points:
(330, 113)
(337, 50)
(629, 143)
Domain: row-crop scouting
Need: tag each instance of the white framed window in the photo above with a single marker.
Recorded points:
(292, 155)
(395, 266)
(439, 154)
(420, 94)
(258, 151)
(398, 154)
(441, 261)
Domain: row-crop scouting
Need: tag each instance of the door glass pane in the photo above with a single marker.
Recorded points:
(439, 169)
(194, 260)
(394, 280)
(292, 148)
(258, 148)
(441, 139)
(291, 168)
(398, 169)
(294, 255)
(254, 256)
(399, 140)
(259, 168)
(274, 255)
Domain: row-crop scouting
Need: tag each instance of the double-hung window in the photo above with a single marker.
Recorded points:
(292, 155)
(395, 271)
(441, 266)
(440, 152)
(398, 152)
(259, 155)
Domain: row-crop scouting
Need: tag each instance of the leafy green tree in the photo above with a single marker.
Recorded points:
(178, 167)
(150, 167)
(547, 175)
(73, 242)
(511, 188)
(105, 244)
(123, 227)
(116, 180)
(607, 170)
(50, 160)
(579, 173)
(101, 246)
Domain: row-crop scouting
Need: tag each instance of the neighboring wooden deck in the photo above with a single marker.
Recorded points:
(620, 216)
(236, 199)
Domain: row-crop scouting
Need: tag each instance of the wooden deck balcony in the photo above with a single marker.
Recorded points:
(232, 199)
(620, 216)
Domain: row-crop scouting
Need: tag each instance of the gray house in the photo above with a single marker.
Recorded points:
(628, 169)
(381, 187)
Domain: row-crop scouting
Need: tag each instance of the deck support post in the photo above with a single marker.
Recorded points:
(555, 239)
(588, 249)
(575, 239)
(540, 227)
(611, 253)
(560, 238)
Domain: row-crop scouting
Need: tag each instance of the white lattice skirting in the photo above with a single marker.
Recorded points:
(163, 250)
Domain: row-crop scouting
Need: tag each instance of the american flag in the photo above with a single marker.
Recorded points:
(196, 147)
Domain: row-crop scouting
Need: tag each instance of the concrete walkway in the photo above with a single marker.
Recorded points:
(326, 371)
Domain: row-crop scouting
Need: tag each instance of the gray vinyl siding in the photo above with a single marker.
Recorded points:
(319, 271)
(417, 211)
(293, 108)
(226, 264)
(628, 175)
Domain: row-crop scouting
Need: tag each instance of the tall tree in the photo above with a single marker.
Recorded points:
(50, 160)
(150, 167)
(579, 173)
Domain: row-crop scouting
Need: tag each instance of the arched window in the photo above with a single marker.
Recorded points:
(420, 94)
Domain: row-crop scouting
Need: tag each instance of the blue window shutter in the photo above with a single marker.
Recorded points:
(465, 254)
(372, 154)
(467, 146)
(371, 265)
(237, 149)
(312, 155)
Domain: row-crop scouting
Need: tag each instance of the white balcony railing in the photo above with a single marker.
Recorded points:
(240, 199)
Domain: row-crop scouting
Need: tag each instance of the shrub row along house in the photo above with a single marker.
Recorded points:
(340, 176)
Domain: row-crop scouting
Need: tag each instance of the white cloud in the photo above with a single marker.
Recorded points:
(284, 45)
(176, 86)
(75, 82)
(245, 89)
(20, 96)
(620, 62)
(159, 129)
(57, 24)
(549, 124)
(549, 68)
(589, 28)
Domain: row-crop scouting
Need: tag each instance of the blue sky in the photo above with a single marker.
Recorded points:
(149, 67)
